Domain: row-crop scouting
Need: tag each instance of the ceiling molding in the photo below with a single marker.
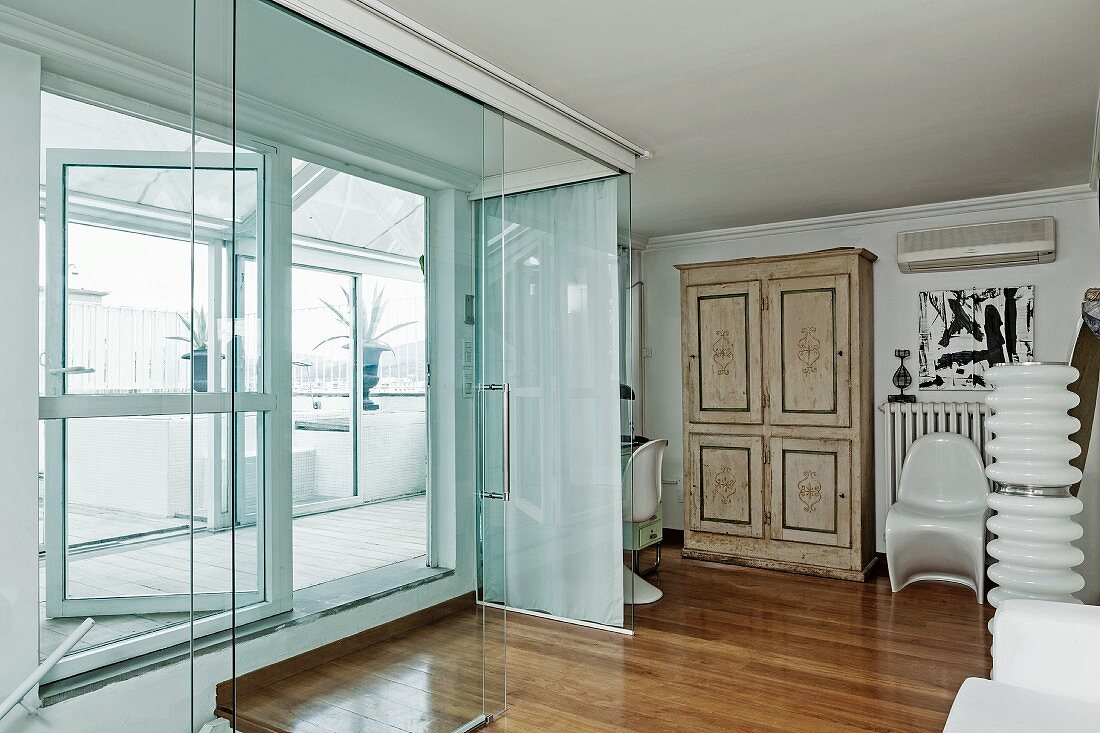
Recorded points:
(546, 176)
(631, 240)
(473, 59)
(989, 203)
(385, 30)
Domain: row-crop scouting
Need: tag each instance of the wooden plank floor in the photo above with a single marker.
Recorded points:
(326, 546)
(727, 649)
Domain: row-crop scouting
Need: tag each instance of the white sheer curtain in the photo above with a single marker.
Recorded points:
(559, 346)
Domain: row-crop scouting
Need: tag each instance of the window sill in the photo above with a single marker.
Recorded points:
(310, 604)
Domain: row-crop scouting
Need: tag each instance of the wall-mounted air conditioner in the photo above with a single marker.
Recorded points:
(997, 244)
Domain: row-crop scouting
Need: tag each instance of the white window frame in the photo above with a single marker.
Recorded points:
(360, 263)
(55, 407)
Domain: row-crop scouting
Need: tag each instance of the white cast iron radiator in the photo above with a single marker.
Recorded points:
(905, 422)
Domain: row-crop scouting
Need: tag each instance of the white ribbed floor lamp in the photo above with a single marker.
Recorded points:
(1031, 480)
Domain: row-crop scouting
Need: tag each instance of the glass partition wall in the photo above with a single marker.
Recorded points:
(155, 383)
(372, 168)
(552, 347)
(328, 352)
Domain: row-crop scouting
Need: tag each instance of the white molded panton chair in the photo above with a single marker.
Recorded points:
(1046, 673)
(641, 497)
(936, 529)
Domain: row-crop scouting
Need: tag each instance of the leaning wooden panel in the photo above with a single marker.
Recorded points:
(722, 364)
(807, 325)
(725, 489)
(811, 492)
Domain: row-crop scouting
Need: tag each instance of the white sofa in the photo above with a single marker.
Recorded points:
(1046, 673)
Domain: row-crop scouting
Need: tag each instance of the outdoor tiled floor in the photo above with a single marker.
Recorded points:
(326, 547)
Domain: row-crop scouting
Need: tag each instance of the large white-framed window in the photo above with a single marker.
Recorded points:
(193, 381)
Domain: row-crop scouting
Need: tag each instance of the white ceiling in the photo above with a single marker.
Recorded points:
(771, 110)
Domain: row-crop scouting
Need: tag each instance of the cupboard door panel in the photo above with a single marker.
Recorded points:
(811, 491)
(727, 482)
(808, 342)
(723, 348)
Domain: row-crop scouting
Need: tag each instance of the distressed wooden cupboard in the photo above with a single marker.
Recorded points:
(778, 414)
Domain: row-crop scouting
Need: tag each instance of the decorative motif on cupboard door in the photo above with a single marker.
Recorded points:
(809, 350)
(723, 352)
(727, 487)
(809, 491)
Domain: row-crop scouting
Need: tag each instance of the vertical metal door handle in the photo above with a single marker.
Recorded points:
(506, 453)
(507, 459)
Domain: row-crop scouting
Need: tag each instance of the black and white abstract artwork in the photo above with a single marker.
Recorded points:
(965, 332)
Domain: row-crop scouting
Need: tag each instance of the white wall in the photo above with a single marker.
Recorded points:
(19, 98)
(1058, 290)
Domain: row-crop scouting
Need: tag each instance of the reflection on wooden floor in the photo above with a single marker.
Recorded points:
(727, 649)
(427, 680)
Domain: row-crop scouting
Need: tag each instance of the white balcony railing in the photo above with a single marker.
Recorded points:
(136, 350)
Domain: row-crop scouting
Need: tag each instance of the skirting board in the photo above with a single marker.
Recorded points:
(764, 564)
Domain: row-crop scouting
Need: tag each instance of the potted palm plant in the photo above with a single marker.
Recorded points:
(373, 345)
(196, 326)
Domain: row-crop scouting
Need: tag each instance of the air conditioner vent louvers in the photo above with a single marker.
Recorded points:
(995, 244)
(969, 263)
(975, 235)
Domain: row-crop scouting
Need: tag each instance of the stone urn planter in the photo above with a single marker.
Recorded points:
(372, 354)
(199, 371)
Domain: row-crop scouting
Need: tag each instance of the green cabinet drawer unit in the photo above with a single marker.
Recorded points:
(639, 535)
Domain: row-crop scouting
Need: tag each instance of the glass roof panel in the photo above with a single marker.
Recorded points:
(68, 123)
(145, 192)
(329, 205)
(152, 193)
(360, 213)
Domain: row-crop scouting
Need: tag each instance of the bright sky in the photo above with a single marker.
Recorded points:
(136, 269)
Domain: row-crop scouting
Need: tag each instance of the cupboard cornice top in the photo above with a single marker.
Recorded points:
(820, 254)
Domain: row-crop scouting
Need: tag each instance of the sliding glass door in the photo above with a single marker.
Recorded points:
(373, 176)
(550, 440)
